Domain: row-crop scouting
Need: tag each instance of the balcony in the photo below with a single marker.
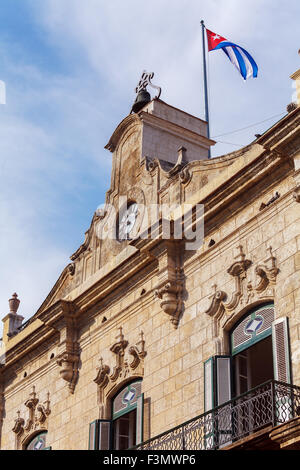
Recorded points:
(246, 422)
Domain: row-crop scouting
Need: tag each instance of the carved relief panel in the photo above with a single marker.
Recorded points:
(36, 419)
(253, 283)
(129, 363)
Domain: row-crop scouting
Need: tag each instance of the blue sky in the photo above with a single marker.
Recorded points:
(70, 69)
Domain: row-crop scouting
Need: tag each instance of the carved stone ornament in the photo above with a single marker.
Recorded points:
(171, 298)
(36, 420)
(69, 357)
(128, 363)
(69, 368)
(170, 170)
(223, 306)
(170, 290)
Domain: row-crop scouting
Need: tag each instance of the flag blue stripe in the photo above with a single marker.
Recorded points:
(241, 62)
(252, 62)
(239, 57)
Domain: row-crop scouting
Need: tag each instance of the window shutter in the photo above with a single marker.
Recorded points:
(217, 381)
(140, 419)
(104, 434)
(100, 435)
(93, 435)
(209, 402)
(223, 371)
(281, 351)
(217, 390)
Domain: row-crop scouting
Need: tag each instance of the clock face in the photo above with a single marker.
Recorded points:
(127, 220)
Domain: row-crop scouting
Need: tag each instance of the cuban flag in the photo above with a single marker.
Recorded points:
(238, 56)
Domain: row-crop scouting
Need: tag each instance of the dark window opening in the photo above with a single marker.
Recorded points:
(253, 366)
(125, 431)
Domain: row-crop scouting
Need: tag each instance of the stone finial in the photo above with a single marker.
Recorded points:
(14, 303)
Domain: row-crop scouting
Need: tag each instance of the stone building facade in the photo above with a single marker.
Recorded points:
(146, 334)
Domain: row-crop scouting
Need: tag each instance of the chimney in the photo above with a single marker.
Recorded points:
(12, 321)
(296, 76)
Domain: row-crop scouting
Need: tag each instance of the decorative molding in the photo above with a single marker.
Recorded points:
(171, 170)
(123, 369)
(36, 421)
(246, 291)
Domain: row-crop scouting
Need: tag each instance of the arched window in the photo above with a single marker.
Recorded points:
(38, 442)
(126, 417)
(251, 349)
(259, 351)
(125, 428)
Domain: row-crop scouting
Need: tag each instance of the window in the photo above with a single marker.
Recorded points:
(259, 352)
(257, 335)
(38, 442)
(127, 417)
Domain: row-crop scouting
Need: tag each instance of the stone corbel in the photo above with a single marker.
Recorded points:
(170, 290)
(69, 358)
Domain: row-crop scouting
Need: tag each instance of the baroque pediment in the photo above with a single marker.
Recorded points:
(60, 288)
(128, 362)
(252, 282)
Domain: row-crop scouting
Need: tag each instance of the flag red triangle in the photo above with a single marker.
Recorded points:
(213, 39)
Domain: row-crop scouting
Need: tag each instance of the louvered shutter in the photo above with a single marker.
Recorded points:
(282, 370)
(281, 351)
(100, 434)
(104, 434)
(209, 401)
(93, 432)
(140, 419)
(217, 381)
(223, 385)
(217, 390)
(223, 371)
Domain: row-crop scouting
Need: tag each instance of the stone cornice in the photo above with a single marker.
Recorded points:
(282, 132)
(22, 345)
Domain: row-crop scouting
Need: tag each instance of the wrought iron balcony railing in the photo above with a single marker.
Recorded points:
(269, 404)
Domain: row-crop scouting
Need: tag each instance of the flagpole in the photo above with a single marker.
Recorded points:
(205, 83)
